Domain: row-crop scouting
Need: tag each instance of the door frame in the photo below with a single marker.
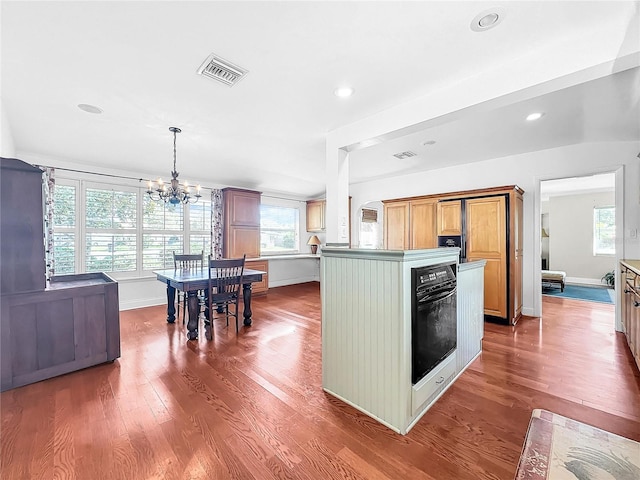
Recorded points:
(537, 223)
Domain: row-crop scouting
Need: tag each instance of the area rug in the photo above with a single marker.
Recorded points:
(581, 292)
(558, 448)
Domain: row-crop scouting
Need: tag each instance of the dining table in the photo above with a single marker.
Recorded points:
(193, 280)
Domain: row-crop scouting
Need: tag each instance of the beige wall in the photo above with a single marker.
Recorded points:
(571, 236)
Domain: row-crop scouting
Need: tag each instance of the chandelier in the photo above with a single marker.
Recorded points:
(173, 192)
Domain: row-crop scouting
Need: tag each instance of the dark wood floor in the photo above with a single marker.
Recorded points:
(251, 406)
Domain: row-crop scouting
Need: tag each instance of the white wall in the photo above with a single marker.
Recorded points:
(7, 148)
(571, 237)
(527, 170)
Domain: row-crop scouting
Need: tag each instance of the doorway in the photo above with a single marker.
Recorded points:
(578, 237)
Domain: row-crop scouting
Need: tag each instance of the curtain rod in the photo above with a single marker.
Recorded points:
(144, 180)
(103, 174)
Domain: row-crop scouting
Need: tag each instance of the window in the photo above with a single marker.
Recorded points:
(110, 222)
(200, 227)
(118, 229)
(163, 225)
(279, 227)
(604, 231)
(64, 225)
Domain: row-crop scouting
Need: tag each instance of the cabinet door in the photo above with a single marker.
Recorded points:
(449, 218)
(315, 216)
(487, 239)
(422, 220)
(243, 207)
(243, 241)
(263, 286)
(396, 226)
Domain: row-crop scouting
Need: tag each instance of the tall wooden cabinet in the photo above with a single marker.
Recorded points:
(486, 236)
(46, 329)
(488, 223)
(410, 224)
(241, 223)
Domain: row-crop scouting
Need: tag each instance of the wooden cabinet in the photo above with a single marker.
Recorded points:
(630, 276)
(486, 236)
(449, 220)
(262, 287)
(396, 226)
(410, 225)
(491, 231)
(241, 223)
(46, 330)
(315, 215)
(422, 222)
(21, 217)
(74, 324)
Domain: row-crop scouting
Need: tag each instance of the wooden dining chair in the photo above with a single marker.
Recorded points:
(225, 282)
(184, 261)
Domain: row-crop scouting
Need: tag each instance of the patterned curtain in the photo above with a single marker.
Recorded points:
(216, 223)
(48, 187)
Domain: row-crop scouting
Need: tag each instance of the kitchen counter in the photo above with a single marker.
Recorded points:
(366, 330)
(633, 265)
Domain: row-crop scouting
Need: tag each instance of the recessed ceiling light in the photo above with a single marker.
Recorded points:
(89, 108)
(343, 92)
(486, 20)
(535, 116)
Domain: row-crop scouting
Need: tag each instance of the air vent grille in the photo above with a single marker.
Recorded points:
(402, 155)
(221, 70)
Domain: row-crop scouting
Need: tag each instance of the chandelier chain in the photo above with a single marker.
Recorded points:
(174, 192)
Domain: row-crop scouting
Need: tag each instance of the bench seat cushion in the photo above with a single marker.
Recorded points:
(553, 275)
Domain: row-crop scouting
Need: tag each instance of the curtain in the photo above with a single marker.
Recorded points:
(216, 223)
(48, 187)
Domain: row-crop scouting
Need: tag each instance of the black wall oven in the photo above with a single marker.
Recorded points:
(433, 317)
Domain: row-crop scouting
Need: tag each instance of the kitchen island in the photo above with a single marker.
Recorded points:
(367, 330)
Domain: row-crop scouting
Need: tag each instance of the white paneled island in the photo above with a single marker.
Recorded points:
(367, 333)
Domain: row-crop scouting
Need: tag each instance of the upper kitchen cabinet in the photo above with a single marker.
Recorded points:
(241, 223)
(449, 218)
(410, 224)
(315, 215)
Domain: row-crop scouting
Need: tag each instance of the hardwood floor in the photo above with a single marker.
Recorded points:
(251, 406)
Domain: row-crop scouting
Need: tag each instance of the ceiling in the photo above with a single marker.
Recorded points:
(137, 61)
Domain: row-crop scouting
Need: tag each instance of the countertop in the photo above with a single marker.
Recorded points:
(467, 265)
(632, 264)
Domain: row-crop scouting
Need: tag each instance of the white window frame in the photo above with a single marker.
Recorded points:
(85, 185)
(86, 181)
(283, 203)
(597, 253)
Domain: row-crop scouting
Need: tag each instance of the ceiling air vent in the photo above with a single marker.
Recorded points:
(221, 70)
(403, 155)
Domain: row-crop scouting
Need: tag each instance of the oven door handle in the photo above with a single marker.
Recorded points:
(437, 297)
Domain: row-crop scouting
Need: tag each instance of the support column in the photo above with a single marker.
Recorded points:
(337, 208)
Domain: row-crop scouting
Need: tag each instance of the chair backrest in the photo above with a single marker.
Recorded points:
(225, 278)
(190, 261)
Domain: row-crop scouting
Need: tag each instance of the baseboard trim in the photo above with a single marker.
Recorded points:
(144, 302)
(584, 281)
(293, 281)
